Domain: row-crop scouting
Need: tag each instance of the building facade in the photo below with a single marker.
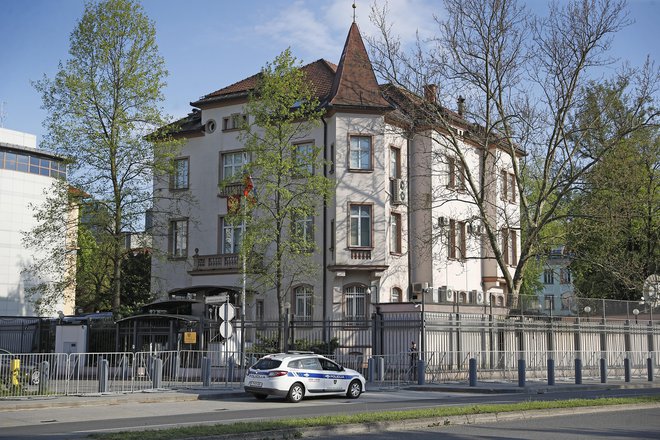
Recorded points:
(26, 175)
(388, 238)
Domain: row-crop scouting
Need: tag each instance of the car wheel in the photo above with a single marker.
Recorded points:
(260, 396)
(35, 377)
(296, 393)
(354, 390)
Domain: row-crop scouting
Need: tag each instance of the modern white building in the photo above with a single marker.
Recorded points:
(26, 174)
(400, 221)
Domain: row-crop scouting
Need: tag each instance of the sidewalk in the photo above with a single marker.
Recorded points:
(194, 394)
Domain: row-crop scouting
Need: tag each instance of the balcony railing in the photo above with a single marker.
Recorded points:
(360, 254)
(232, 189)
(216, 263)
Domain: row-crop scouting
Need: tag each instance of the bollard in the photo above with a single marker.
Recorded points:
(473, 372)
(103, 376)
(521, 372)
(230, 374)
(421, 372)
(551, 371)
(370, 370)
(603, 370)
(157, 373)
(206, 372)
(15, 368)
(381, 368)
(626, 369)
(578, 371)
(44, 377)
(649, 369)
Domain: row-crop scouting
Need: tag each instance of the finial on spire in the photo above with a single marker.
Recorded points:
(354, 7)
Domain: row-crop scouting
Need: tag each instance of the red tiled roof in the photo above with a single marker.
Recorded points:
(321, 73)
(355, 84)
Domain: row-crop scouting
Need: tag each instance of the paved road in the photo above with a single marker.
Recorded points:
(611, 425)
(78, 421)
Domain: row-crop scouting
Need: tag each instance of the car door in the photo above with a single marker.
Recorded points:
(311, 374)
(334, 377)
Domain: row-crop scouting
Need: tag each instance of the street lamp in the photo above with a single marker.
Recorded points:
(587, 310)
(635, 312)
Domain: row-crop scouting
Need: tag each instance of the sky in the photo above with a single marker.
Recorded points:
(209, 44)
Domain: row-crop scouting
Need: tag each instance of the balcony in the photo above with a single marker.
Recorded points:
(232, 189)
(213, 264)
(360, 254)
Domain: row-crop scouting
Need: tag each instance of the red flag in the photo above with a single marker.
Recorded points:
(248, 186)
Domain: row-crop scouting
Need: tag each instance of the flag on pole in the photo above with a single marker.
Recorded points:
(248, 186)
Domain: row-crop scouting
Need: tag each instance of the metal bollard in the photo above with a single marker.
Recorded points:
(473, 372)
(521, 373)
(649, 369)
(206, 372)
(578, 371)
(421, 372)
(603, 370)
(157, 373)
(44, 377)
(551, 371)
(370, 370)
(103, 370)
(231, 368)
(626, 369)
(381, 368)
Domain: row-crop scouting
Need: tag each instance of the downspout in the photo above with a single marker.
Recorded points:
(326, 338)
(408, 239)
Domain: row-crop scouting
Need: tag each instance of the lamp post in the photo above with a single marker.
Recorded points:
(636, 313)
(587, 310)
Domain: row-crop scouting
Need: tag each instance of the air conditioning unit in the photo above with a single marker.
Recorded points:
(476, 297)
(449, 296)
(417, 287)
(442, 222)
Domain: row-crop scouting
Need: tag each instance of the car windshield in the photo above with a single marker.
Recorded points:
(267, 364)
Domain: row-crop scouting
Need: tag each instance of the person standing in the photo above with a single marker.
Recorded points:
(414, 357)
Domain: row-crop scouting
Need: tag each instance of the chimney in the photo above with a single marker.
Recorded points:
(461, 105)
(430, 93)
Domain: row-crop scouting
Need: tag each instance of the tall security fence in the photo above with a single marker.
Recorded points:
(453, 347)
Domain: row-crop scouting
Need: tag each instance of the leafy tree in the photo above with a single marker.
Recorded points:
(616, 217)
(288, 187)
(523, 78)
(101, 105)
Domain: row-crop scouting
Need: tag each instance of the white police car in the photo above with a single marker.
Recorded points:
(296, 375)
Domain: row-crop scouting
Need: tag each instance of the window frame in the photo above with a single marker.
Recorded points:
(173, 239)
(234, 121)
(360, 244)
(223, 227)
(396, 241)
(302, 233)
(510, 246)
(304, 292)
(237, 173)
(457, 240)
(174, 178)
(353, 299)
(455, 174)
(548, 277)
(306, 167)
(360, 167)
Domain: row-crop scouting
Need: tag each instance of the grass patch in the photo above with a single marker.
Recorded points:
(367, 417)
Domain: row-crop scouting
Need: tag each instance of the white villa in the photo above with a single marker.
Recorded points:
(400, 223)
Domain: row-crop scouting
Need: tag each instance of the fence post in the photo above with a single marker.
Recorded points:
(521, 373)
(370, 370)
(157, 374)
(578, 371)
(381, 368)
(473, 372)
(103, 375)
(649, 368)
(626, 369)
(421, 372)
(551, 371)
(44, 377)
(603, 370)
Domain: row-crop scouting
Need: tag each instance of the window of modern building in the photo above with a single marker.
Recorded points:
(180, 177)
(355, 302)
(457, 240)
(232, 165)
(303, 299)
(548, 276)
(360, 224)
(230, 237)
(304, 159)
(395, 233)
(178, 238)
(360, 153)
(29, 163)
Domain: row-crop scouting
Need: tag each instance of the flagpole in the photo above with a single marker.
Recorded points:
(243, 357)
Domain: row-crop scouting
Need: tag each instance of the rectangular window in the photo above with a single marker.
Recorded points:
(355, 302)
(457, 240)
(565, 276)
(548, 276)
(178, 238)
(510, 246)
(179, 178)
(360, 153)
(456, 174)
(549, 301)
(235, 121)
(230, 237)
(304, 159)
(508, 184)
(259, 311)
(395, 170)
(232, 165)
(303, 233)
(360, 224)
(303, 296)
(395, 233)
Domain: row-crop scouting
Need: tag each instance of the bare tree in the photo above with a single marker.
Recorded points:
(523, 81)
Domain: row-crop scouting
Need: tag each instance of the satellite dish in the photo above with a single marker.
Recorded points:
(651, 288)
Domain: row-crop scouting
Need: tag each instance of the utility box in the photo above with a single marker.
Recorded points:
(71, 339)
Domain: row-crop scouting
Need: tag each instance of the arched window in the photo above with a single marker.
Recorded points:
(303, 299)
(397, 295)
